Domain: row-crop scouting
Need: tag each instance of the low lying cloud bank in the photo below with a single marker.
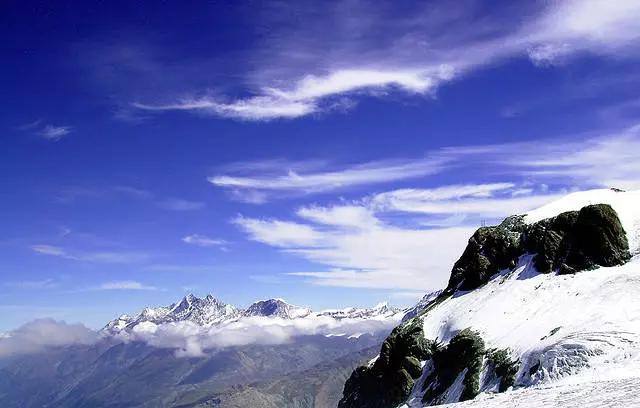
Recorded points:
(191, 340)
(187, 338)
(40, 334)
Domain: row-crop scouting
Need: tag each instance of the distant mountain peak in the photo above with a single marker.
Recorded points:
(276, 308)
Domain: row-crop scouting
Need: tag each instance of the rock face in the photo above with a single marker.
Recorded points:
(463, 354)
(389, 380)
(489, 250)
(570, 242)
(567, 243)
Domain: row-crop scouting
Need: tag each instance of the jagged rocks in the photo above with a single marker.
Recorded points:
(578, 240)
(489, 250)
(465, 351)
(390, 379)
(570, 242)
(598, 239)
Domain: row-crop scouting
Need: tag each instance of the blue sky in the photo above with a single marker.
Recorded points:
(330, 154)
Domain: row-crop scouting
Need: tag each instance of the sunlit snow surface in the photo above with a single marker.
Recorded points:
(601, 394)
(579, 334)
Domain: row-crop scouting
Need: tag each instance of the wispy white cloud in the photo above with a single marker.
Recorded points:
(421, 49)
(186, 268)
(56, 133)
(30, 126)
(34, 284)
(604, 158)
(46, 131)
(92, 256)
(596, 26)
(442, 193)
(49, 250)
(125, 285)
(417, 201)
(349, 216)
(257, 108)
(285, 181)
(179, 204)
(279, 233)
(72, 194)
(133, 192)
(114, 257)
(203, 241)
(392, 240)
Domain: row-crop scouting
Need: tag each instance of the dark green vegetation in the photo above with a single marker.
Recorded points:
(503, 367)
(111, 374)
(570, 242)
(464, 351)
(390, 379)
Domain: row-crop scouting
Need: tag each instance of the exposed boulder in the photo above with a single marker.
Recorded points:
(465, 351)
(570, 242)
(489, 250)
(549, 239)
(578, 240)
(597, 239)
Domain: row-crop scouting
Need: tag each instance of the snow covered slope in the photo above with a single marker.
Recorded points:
(557, 330)
(597, 394)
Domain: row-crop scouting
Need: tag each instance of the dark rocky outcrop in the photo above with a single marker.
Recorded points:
(489, 250)
(503, 368)
(570, 242)
(578, 240)
(390, 379)
(465, 351)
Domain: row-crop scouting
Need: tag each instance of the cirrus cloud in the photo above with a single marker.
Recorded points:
(423, 47)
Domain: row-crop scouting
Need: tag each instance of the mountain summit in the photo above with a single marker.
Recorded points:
(276, 308)
(205, 312)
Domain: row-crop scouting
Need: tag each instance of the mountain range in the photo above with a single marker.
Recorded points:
(199, 349)
(539, 308)
(209, 312)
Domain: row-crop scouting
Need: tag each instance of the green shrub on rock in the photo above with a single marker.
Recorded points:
(464, 351)
(504, 368)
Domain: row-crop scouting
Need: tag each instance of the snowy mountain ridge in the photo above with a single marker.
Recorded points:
(556, 311)
(209, 311)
